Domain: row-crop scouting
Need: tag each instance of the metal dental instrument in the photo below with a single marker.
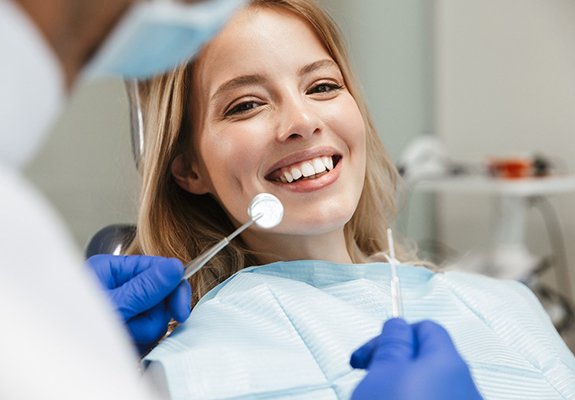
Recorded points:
(396, 301)
(265, 210)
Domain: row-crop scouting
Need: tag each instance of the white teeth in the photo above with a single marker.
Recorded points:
(307, 169)
(318, 165)
(328, 161)
(296, 173)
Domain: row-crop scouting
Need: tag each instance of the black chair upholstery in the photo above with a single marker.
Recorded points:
(112, 239)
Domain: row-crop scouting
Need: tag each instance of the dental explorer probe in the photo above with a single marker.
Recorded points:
(396, 301)
(265, 210)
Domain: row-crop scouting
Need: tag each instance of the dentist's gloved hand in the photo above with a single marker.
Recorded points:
(146, 291)
(413, 362)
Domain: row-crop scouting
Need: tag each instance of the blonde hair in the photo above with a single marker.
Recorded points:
(175, 223)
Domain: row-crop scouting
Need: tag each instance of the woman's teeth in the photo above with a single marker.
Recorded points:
(306, 169)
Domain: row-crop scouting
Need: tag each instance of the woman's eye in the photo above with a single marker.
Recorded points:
(324, 88)
(242, 108)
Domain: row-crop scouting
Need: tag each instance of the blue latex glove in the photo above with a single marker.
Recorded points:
(415, 362)
(146, 291)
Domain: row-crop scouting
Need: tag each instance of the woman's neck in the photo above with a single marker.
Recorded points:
(328, 247)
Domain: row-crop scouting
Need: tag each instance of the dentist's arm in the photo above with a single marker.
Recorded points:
(413, 362)
(147, 293)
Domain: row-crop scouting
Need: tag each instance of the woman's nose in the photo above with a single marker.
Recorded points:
(298, 120)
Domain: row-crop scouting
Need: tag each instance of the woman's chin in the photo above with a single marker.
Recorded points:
(316, 225)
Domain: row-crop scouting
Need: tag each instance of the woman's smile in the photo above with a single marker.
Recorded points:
(312, 174)
(309, 169)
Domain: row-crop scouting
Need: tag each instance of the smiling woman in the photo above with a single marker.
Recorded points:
(270, 105)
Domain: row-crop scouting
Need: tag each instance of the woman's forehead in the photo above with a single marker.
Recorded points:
(259, 41)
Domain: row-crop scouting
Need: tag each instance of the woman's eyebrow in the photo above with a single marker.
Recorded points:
(314, 66)
(237, 82)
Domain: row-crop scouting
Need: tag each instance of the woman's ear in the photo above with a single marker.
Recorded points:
(188, 177)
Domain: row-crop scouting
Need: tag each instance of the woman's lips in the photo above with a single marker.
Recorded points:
(313, 181)
(303, 170)
(300, 157)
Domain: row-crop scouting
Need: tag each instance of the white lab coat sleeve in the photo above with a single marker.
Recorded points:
(59, 337)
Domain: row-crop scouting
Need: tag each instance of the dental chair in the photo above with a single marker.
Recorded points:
(112, 239)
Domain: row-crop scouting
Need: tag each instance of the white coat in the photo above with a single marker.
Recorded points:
(59, 338)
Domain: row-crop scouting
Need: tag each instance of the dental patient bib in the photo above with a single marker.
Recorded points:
(287, 330)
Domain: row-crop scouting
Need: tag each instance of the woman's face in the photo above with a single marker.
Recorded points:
(277, 118)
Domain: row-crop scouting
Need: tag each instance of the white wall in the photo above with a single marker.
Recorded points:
(505, 85)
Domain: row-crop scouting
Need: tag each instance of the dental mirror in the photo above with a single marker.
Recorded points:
(270, 208)
(265, 210)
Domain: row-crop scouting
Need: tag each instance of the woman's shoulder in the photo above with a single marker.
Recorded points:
(485, 283)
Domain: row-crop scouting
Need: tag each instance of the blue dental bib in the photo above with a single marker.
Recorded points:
(287, 330)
